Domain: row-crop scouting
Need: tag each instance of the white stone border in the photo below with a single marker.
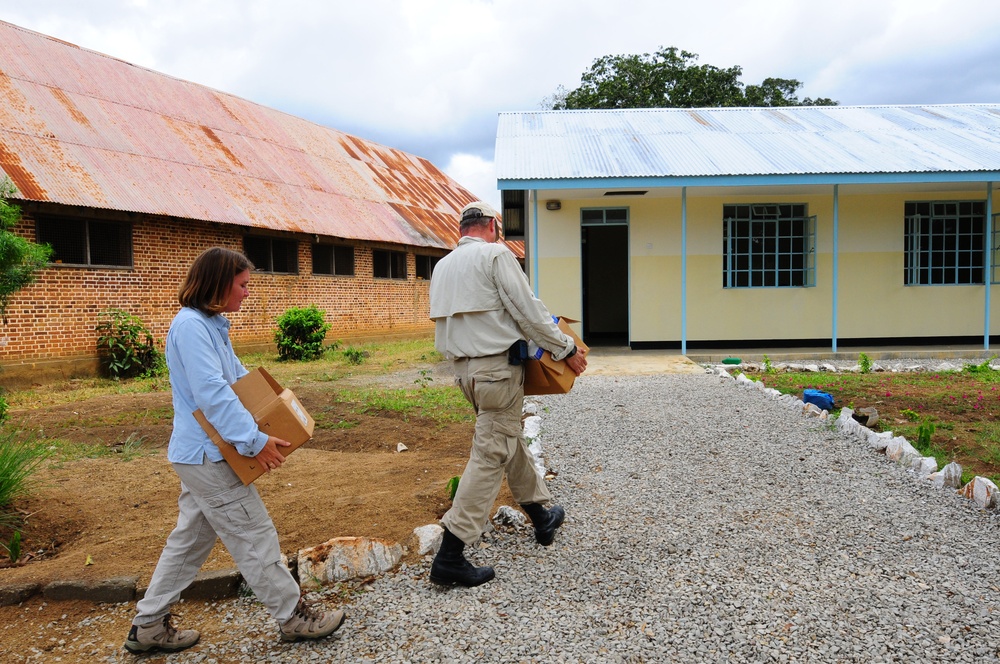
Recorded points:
(980, 490)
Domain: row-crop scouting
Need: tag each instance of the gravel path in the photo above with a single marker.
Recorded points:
(706, 522)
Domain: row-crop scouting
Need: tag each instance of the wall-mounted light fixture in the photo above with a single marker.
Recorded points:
(553, 205)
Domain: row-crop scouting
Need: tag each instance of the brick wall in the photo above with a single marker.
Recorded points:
(55, 318)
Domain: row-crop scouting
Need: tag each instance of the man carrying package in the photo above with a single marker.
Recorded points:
(484, 313)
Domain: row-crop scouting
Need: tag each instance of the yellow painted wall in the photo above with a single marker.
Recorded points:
(559, 263)
(873, 302)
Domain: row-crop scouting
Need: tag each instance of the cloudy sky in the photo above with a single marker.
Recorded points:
(429, 76)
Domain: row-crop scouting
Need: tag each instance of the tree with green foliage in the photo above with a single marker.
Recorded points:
(671, 78)
(20, 260)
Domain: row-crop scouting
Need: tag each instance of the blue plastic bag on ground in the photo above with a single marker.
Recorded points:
(821, 400)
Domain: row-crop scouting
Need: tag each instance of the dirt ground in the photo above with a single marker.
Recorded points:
(107, 517)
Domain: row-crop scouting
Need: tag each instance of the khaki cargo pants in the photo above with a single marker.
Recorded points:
(214, 504)
(496, 390)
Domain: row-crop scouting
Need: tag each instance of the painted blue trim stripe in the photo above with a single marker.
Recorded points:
(751, 180)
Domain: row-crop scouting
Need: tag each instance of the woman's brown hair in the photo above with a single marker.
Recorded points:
(210, 278)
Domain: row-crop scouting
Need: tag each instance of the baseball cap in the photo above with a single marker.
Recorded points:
(478, 209)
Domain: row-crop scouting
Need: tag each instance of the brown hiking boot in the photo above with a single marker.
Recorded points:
(160, 635)
(309, 623)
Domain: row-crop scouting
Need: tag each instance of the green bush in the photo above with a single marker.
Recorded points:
(125, 347)
(300, 334)
(19, 459)
(4, 407)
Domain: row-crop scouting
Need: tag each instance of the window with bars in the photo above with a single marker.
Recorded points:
(514, 213)
(86, 242)
(995, 252)
(389, 264)
(272, 254)
(945, 243)
(604, 216)
(333, 259)
(768, 245)
(425, 266)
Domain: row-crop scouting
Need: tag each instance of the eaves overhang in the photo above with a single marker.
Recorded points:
(801, 179)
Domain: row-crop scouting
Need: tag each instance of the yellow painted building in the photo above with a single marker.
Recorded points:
(818, 226)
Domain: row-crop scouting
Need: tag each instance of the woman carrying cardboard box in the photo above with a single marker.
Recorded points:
(214, 503)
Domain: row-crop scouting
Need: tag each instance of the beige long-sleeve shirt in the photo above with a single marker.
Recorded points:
(481, 303)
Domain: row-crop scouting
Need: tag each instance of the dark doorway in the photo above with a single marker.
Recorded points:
(605, 285)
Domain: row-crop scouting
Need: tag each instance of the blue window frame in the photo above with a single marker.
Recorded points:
(768, 245)
(945, 243)
(995, 252)
(604, 216)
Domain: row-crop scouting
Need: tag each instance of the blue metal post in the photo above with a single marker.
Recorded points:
(988, 263)
(836, 261)
(533, 237)
(684, 256)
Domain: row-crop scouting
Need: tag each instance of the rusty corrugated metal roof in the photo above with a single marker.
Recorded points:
(81, 128)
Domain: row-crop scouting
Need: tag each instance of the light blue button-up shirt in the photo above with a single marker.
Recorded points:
(202, 368)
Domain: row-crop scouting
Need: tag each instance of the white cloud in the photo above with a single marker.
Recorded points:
(476, 174)
(430, 76)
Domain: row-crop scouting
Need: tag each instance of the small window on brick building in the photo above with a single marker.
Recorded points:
(425, 266)
(272, 254)
(88, 242)
(389, 264)
(333, 259)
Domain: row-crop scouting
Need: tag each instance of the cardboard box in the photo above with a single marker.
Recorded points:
(549, 376)
(277, 412)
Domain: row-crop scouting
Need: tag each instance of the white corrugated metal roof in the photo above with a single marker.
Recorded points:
(713, 142)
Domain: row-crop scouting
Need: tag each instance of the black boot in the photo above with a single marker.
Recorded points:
(450, 566)
(545, 520)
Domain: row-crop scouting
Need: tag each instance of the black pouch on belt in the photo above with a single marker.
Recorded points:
(517, 353)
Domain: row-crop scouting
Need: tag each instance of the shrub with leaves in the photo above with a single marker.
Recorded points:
(125, 346)
(300, 334)
(355, 355)
(864, 363)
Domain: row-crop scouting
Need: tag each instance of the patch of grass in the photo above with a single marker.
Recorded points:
(20, 457)
(324, 421)
(391, 355)
(13, 547)
(149, 416)
(989, 439)
(55, 394)
(983, 370)
(441, 404)
(381, 356)
(130, 448)
(355, 355)
(62, 451)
